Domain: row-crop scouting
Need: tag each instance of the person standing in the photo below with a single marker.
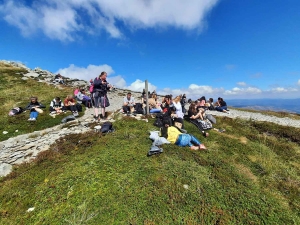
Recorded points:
(101, 86)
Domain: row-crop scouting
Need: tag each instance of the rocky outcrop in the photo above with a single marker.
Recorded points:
(44, 76)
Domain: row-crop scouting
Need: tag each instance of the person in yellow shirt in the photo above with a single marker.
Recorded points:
(175, 136)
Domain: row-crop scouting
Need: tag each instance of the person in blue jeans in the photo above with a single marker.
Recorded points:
(32, 106)
(221, 106)
(175, 135)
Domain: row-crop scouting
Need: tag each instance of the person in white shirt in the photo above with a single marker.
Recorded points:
(128, 103)
(178, 117)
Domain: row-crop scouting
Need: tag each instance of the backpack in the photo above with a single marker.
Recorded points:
(211, 118)
(139, 108)
(68, 118)
(15, 111)
(154, 150)
(79, 107)
(206, 124)
(107, 127)
(91, 88)
(161, 119)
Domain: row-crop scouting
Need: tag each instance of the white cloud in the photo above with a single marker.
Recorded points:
(241, 84)
(90, 72)
(282, 90)
(298, 82)
(63, 19)
(139, 85)
(279, 89)
(93, 71)
(243, 91)
(117, 81)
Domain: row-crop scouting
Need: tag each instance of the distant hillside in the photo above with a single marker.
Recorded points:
(285, 105)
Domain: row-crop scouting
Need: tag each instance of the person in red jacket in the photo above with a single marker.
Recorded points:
(70, 104)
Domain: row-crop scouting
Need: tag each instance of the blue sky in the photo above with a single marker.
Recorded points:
(229, 48)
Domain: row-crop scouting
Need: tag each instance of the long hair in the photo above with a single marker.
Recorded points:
(192, 108)
(177, 99)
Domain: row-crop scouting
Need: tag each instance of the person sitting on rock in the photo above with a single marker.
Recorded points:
(210, 104)
(34, 106)
(82, 98)
(70, 104)
(175, 136)
(128, 103)
(57, 106)
(86, 100)
(222, 106)
(153, 104)
(58, 78)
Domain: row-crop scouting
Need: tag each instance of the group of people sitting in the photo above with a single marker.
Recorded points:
(57, 106)
(220, 105)
(172, 113)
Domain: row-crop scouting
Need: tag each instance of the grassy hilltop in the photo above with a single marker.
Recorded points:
(249, 175)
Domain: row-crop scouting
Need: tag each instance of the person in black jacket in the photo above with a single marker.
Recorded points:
(222, 106)
(101, 86)
(33, 106)
(193, 116)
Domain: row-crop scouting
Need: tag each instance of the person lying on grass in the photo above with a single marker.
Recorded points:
(174, 135)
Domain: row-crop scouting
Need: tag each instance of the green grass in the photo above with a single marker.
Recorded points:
(249, 175)
(16, 92)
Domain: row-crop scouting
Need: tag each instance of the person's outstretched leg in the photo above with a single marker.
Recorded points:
(195, 141)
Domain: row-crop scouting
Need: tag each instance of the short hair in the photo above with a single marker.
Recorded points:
(57, 98)
(33, 98)
(129, 93)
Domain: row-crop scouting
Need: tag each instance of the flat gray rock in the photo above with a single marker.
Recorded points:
(5, 169)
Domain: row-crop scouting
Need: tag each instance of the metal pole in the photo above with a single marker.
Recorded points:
(146, 90)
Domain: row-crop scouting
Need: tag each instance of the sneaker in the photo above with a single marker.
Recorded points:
(75, 114)
(30, 119)
(33, 119)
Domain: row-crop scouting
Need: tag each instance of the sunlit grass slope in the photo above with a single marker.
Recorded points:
(249, 175)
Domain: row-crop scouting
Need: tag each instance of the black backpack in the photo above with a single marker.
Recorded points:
(139, 108)
(107, 127)
(79, 107)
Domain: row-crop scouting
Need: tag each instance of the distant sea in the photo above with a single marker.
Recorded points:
(278, 105)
